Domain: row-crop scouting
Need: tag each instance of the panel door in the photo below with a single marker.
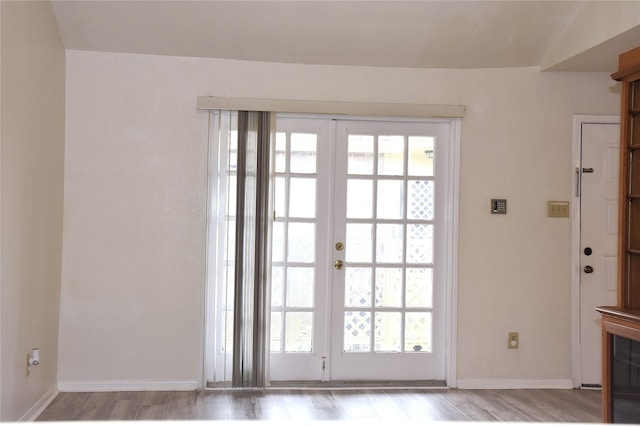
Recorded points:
(598, 239)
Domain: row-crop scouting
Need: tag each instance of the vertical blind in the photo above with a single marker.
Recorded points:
(238, 248)
(252, 232)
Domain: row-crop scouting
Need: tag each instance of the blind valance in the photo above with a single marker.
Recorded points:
(331, 107)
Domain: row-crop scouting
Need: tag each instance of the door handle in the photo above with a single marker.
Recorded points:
(588, 269)
(338, 264)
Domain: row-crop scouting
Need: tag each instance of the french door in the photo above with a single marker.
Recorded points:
(358, 286)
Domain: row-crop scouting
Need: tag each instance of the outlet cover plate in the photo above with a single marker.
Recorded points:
(513, 341)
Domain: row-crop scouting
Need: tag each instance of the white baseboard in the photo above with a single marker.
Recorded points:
(38, 407)
(120, 385)
(512, 384)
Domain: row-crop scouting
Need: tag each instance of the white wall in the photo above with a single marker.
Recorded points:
(514, 271)
(134, 202)
(32, 171)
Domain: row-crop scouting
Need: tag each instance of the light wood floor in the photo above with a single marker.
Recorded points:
(581, 406)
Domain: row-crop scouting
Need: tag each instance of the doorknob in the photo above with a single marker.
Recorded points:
(588, 269)
(338, 264)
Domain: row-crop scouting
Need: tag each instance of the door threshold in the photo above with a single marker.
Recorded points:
(591, 386)
(357, 385)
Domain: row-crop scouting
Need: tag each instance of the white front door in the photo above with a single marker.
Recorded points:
(357, 288)
(598, 238)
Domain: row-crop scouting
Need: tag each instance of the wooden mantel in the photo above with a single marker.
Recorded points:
(624, 314)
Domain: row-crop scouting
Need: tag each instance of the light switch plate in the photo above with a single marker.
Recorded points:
(557, 209)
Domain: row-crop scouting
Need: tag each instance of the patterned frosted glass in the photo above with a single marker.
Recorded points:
(387, 335)
(357, 287)
(420, 243)
(418, 333)
(357, 331)
(421, 200)
(419, 287)
(388, 287)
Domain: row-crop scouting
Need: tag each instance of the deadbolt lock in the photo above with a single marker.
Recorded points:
(338, 264)
(339, 246)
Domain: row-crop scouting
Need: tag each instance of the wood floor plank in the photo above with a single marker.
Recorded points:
(579, 406)
(470, 407)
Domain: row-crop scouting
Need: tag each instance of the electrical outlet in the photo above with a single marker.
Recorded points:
(514, 341)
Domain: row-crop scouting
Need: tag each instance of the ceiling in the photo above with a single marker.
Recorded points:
(553, 35)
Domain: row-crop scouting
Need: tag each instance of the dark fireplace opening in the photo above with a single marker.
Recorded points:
(625, 380)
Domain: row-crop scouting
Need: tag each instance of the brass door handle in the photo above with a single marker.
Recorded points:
(338, 264)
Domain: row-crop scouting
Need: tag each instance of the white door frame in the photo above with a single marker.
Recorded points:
(451, 299)
(578, 121)
(451, 261)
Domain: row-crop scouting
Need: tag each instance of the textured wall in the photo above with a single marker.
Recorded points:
(133, 269)
(33, 104)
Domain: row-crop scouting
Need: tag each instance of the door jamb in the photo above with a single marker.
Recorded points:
(451, 299)
(578, 121)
